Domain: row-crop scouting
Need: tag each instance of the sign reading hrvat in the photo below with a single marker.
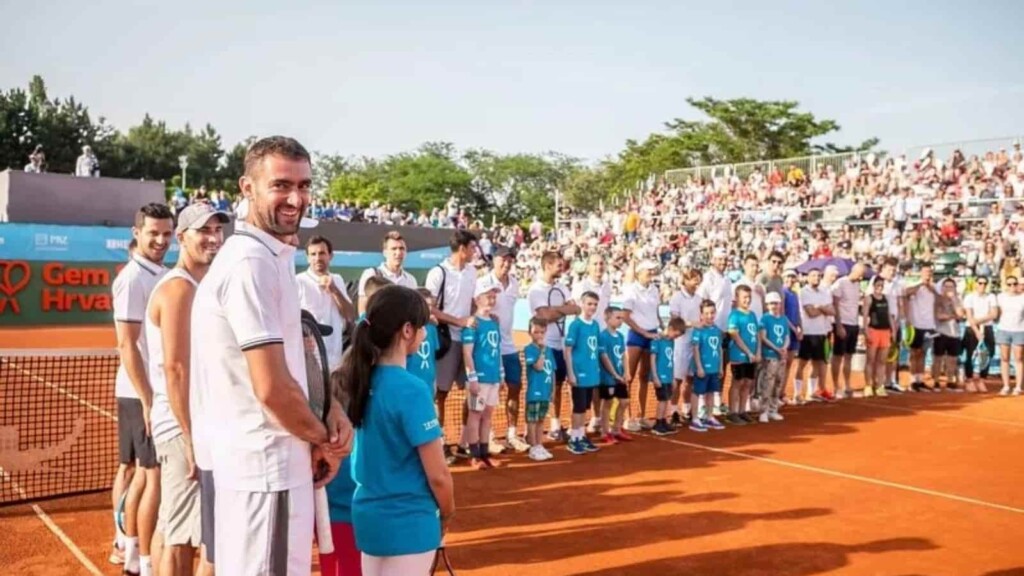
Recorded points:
(41, 293)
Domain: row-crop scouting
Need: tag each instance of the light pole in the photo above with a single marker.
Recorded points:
(183, 162)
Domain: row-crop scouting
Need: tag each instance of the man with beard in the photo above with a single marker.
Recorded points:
(200, 232)
(249, 401)
(131, 290)
(323, 294)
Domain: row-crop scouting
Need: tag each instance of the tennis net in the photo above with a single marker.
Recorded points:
(58, 423)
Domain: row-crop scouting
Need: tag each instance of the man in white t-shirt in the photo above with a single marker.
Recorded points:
(452, 282)
(504, 309)
(684, 304)
(324, 295)
(391, 269)
(249, 378)
(131, 290)
(846, 296)
(894, 293)
(200, 232)
(816, 307)
(921, 316)
(550, 300)
(596, 283)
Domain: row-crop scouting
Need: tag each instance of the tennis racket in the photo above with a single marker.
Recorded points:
(981, 357)
(119, 512)
(441, 561)
(556, 298)
(318, 379)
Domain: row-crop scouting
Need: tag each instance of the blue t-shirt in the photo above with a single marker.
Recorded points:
(486, 341)
(776, 330)
(663, 351)
(791, 306)
(539, 383)
(583, 337)
(393, 508)
(613, 345)
(745, 323)
(339, 493)
(422, 363)
(708, 340)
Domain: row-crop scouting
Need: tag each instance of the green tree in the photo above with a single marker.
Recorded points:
(518, 186)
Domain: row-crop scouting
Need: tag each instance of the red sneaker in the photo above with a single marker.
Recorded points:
(609, 439)
(829, 396)
(621, 436)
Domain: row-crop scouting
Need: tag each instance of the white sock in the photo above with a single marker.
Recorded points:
(812, 386)
(718, 398)
(555, 424)
(798, 388)
(511, 433)
(145, 566)
(686, 408)
(594, 421)
(131, 553)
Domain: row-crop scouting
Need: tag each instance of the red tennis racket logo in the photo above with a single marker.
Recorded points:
(14, 277)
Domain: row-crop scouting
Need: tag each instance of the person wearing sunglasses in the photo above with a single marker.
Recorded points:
(1010, 333)
(982, 310)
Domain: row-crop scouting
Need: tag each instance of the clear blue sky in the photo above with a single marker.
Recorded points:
(577, 77)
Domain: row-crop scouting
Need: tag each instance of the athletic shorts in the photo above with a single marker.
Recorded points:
(879, 338)
(921, 337)
(709, 384)
(207, 504)
(513, 369)
(663, 393)
(683, 356)
(794, 343)
(265, 532)
(638, 340)
(1009, 338)
(561, 372)
(488, 397)
(946, 346)
(133, 444)
(179, 496)
(451, 369)
(614, 390)
(536, 411)
(744, 371)
(846, 346)
(812, 347)
(582, 398)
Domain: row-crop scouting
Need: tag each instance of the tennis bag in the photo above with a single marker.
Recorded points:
(444, 331)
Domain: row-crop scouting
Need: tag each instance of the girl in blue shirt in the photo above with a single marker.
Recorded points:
(481, 351)
(403, 499)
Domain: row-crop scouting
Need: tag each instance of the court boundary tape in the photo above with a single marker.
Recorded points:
(62, 390)
(844, 475)
(52, 526)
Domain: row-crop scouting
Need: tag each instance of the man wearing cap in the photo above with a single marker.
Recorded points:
(323, 294)
(717, 288)
(200, 232)
(504, 309)
(394, 250)
(595, 282)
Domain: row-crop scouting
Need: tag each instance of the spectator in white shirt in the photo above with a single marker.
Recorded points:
(87, 165)
(816, 308)
(391, 269)
(1010, 334)
(982, 310)
(921, 315)
(640, 312)
(323, 294)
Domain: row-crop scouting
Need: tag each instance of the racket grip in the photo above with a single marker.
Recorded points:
(322, 513)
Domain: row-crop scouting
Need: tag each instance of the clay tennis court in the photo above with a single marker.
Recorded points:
(918, 484)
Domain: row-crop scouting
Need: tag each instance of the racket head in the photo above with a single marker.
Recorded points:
(119, 512)
(981, 357)
(556, 297)
(318, 375)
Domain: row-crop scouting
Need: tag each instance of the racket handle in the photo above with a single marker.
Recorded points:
(322, 513)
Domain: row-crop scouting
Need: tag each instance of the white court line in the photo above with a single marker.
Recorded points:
(837, 474)
(52, 526)
(62, 390)
(925, 410)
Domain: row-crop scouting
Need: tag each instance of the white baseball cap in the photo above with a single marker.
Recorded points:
(772, 298)
(485, 285)
(720, 253)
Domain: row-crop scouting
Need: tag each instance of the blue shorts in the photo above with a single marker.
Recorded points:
(638, 340)
(1009, 338)
(794, 344)
(513, 369)
(560, 370)
(709, 384)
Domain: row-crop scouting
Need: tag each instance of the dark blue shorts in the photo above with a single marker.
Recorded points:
(709, 384)
(638, 340)
(513, 369)
(560, 370)
(663, 394)
(794, 344)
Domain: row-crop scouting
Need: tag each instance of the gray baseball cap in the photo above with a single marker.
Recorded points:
(195, 216)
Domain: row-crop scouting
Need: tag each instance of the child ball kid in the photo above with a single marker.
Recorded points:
(612, 346)
(540, 382)
(583, 370)
(775, 344)
(706, 341)
(744, 355)
(423, 362)
(345, 559)
(663, 373)
(481, 350)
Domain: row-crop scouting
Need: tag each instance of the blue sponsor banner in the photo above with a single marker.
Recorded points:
(47, 242)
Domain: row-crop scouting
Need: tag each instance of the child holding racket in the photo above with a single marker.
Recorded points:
(423, 362)
(612, 346)
(404, 496)
(663, 373)
(481, 351)
(345, 560)
(540, 381)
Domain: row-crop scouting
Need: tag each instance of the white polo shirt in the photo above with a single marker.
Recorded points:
(848, 293)
(247, 299)
(604, 294)
(643, 305)
(458, 290)
(164, 425)
(319, 302)
(717, 288)
(819, 325)
(542, 295)
(402, 278)
(504, 309)
(131, 289)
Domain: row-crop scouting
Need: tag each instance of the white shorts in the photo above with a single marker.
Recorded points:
(179, 513)
(683, 355)
(264, 532)
(404, 565)
(488, 397)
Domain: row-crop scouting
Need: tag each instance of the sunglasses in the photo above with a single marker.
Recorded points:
(1011, 284)
(983, 283)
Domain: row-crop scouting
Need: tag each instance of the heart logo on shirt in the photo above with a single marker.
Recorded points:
(492, 339)
(617, 351)
(779, 332)
(592, 344)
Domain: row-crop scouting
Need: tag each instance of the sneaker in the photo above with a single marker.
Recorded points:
(462, 452)
(609, 439)
(774, 416)
(894, 388)
(723, 410)
(677, 420)
(750, 418)
(954, 387)
(494, 447)
(659, 429)
(478, 464)
(713, 424)
(868, 392)
(646, 424)
(621, 436)
(919, 387)
(575, 447)
(632, 425)
(880, 392)
(536, 455)
(703, 413)
(698, 426)
(557, 435)
(116, 555)
(735, 420)
(971, 388)
(546, 453)
(819, 396)
(592, 426)
(828, 396)
(518, 444)
(492, 463)
(763, 418)
(1005, 391)
(588, 445)
(1016, 391)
